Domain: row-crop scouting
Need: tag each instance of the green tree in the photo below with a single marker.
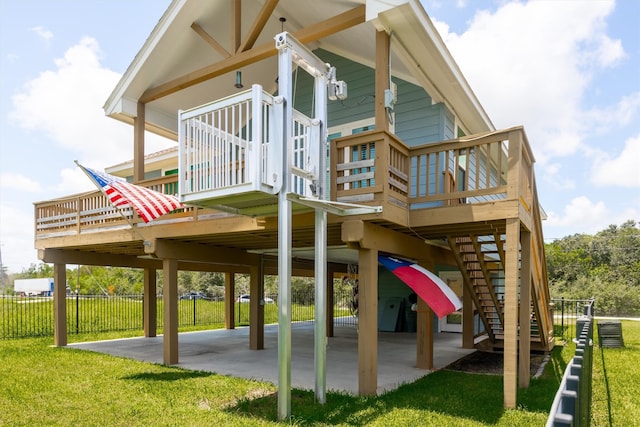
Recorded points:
(605, 266)
(35, 271)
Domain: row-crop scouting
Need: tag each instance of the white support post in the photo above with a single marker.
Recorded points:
(289, 51)
(284, 114)
(254, 158)
(318, 151)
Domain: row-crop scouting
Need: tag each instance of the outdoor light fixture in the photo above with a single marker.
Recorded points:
(239, 80)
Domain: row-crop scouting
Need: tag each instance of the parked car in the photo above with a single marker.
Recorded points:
(247, 297)
(194, 295)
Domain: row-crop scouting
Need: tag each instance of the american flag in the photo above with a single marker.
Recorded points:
(149, 204)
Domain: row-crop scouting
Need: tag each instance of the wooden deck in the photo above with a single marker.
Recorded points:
(461, 195)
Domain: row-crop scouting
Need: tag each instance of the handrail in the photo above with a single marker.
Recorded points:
(464, 170)
(91, 210)
(540, 275)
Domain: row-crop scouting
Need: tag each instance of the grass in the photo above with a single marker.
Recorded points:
(44, 385)
(616, 380)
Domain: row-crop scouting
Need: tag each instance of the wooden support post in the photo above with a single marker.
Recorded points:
(236, 25)
(511, 313)
(525, 310)
(60, 305)
(382, 78)
(170, 300)
(468, 319)
(229, 300)
(424, 336)
(368, 322)
(256, 308)
(150, 303)
(138, 143)
(424, 330)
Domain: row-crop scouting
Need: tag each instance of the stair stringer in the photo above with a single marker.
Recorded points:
(469, 284)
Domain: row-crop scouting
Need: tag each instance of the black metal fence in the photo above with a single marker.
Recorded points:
(31, 316)
(565, 315)
(572, 403)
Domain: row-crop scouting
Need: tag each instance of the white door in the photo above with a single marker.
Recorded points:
(452, 322)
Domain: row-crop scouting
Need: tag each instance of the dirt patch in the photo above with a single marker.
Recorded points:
(486, 362)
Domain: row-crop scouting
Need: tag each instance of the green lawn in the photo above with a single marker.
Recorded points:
(44, 385)
(616, 380)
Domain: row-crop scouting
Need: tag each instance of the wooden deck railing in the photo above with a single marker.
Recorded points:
(540, 275)
(376, 168)
(372, 168)
(92, 211)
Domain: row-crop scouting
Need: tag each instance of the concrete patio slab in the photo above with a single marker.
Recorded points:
(227, 352)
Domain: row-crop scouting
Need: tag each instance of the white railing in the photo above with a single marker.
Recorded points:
(228, 148)
(224, 147)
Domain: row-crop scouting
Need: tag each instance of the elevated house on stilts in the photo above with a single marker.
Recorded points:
(356, 135)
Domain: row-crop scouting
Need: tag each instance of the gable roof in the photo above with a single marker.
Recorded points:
(179, 52)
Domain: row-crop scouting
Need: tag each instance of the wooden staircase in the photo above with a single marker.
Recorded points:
(481, 259)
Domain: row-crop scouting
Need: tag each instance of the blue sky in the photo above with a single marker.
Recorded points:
(569, 71)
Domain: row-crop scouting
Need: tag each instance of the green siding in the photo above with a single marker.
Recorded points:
(361, 85)
(449, 124)
(389, 286)
(417, 120)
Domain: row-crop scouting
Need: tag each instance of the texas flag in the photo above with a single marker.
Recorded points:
(435, 292)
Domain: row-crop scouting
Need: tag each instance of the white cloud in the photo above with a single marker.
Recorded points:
(18, 182)
(551, 173)
(74, 181)
(582, 214)
(43, 33)
(17, 239)
(608, 52)
(601, 120)
(66, 104)
(585, 216)
(531, 63)
(619, 171)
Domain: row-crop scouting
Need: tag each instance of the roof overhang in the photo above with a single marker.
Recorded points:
(417, 41)
(175, 51)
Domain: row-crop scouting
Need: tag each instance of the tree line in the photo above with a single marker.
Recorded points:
(97, 280)
(605, 266)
